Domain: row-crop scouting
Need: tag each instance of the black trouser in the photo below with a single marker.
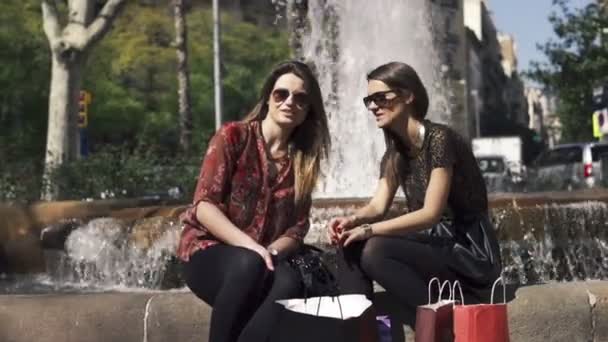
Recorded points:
(402, 266)
(241, 290)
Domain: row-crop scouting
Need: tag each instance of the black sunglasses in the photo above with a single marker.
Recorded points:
(282, 94)
(380, 99)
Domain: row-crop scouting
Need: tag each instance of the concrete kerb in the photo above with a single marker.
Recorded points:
(73, 317)
(552, 312)
(598, 302)
(576, 311)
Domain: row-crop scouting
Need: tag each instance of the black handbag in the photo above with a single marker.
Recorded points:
(317, 279)
(471, 249)
(320, 284)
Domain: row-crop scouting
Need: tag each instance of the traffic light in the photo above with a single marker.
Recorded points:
(600, 123)
(600, 97)
(84, 100)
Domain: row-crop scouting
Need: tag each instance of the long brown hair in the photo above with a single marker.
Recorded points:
(310, 141)
(401, 78)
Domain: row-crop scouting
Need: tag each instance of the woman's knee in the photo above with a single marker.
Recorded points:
(286, 281)
(245, 265)
(373, 255)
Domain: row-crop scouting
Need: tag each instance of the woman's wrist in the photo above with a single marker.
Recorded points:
(355, 220)
(368, 230)
(249, 243)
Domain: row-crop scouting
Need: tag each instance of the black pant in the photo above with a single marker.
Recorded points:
(402, 266)
(241, 290)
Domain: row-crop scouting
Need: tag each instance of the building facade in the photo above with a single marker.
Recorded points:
(515, 99)
(542, 115)
(450, 39)
(474, 78)
(484, 49)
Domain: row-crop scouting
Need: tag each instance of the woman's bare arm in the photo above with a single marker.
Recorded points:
(435, 201)
(224, 230)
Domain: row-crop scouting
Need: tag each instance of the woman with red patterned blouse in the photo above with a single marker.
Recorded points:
(252, 204)
(445, 231)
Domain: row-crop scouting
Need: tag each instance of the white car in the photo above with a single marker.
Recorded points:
(496, 173)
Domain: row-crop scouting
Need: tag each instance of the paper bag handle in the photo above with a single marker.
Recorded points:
(457, 283)
(433, 280)
(332, 299)
(504, 290)
(449, 285)
(500, 279)
(441, 287)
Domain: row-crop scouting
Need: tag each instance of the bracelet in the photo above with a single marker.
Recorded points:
(273, 251)
(367, 228)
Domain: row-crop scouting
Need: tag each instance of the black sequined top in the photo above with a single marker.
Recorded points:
(443, 147)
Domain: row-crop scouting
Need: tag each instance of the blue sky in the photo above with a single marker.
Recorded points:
(527, 21)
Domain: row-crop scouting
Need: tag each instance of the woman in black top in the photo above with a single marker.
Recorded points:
(445, 231)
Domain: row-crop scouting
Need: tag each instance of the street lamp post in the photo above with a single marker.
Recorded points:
(474, 95)
(217, 72)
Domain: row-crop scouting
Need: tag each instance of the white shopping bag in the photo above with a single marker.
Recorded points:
(345, 318)
(342, 307)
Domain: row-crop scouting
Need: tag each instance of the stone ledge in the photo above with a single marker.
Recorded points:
(21, 250)
(575, 311)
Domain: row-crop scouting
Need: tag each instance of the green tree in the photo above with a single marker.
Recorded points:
(24, 79)
(577, 62)
(131, 73)
(72, 28)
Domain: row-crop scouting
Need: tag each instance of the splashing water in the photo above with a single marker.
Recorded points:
(103, 254)
(571, 244)
(345, 40)
(538, 244)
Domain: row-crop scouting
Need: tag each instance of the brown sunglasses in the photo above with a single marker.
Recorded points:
(282, 94)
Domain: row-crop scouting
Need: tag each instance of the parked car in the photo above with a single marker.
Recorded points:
(569, 167)
(496, 173)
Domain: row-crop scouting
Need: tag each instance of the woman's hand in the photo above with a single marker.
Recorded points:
(359, 233)
(264, 253)
(339, 225)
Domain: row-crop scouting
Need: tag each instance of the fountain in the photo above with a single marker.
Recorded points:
(346, 39)
(542, 240)
(133, 249)
(104, 247)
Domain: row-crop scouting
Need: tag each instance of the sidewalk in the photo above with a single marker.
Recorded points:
(571, 312)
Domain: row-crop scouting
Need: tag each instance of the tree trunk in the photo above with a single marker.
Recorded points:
(62, 131)
(183, 76)
(69, 47)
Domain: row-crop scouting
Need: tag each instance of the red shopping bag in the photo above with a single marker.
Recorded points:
(481, 322)
(434, 320)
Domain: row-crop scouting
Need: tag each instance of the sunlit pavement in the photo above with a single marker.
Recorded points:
(576, 311)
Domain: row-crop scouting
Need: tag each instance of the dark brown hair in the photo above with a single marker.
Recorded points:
(402, 78)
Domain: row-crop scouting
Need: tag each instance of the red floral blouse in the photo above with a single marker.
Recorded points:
(235, 177)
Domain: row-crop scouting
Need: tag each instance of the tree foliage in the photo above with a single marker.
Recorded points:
(24, 80)
(136, 66)
(577, 61)
(132, 77)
